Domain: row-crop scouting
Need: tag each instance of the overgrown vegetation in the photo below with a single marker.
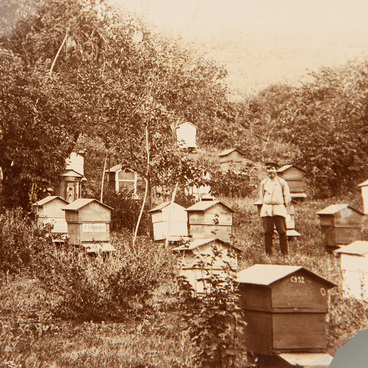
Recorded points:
(48, 303)
(214, 320)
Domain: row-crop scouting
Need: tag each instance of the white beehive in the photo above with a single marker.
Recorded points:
(170, 221)
(354, 268)
(49, 210)
(364, 190)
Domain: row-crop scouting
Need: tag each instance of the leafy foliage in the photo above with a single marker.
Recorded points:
(86, 67)
(235, 184)
(20, 241)
(126, 211)
(214, 320)
(104, 288)
(326, 120)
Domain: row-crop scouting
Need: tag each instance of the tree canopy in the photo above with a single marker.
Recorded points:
(80, 66)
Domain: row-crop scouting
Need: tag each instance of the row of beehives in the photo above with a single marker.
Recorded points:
(86, 221)
(206, 223)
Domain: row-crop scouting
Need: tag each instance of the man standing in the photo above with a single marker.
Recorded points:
(275, 195)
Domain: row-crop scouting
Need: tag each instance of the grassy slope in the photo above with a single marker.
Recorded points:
(30, 337)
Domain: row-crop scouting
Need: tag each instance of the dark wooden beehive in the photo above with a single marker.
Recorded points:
(294, 176)
(340, 224)
(285, 309)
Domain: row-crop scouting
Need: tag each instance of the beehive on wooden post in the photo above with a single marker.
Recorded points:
(207, 219)
(294, 176)
(89, 224)
(285, 309)
(49, 210)
(199, 257)
(354, 269)
(70, 186)
(340, 225)
(170, 221)
(364, 191)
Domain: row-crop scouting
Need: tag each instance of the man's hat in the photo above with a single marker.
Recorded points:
(270, 164)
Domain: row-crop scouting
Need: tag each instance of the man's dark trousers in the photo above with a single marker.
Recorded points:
(269, 223)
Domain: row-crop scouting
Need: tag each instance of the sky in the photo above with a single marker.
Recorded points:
(266, 41)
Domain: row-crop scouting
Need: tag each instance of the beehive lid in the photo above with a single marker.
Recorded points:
(161, 206)
(186, 123)
(307, 360)
(358, 247)
(334, 208)
(49, 199)
(287, 167)
(82, 202)
(72, 173)
(205, 205)
(364, 184)
(115, 168)
(266, 274)
(196, 243)
(228, 151)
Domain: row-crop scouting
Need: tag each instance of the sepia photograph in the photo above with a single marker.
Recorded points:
(183, 184)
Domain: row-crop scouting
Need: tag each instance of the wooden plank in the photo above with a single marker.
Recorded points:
(300, 290)
(258, 332)
(299, 331)
(255, 297)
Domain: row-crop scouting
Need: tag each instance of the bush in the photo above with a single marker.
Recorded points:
(105, 287)
(214, 320)
(126, 211)
(236, 184)
(20, 240)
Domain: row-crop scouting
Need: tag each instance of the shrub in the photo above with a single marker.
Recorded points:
(20, 240)
(126, 211)
(237, 184)
(346, 316)
(105, 287)
(214, 320)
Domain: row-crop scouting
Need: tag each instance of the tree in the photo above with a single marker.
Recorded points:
(125, 84)
(327, 120)
(36, 129)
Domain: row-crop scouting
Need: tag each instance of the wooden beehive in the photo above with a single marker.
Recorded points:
(285, 309)
(192, 254)
(364, 191)
(186, 135)
(340, 224)
(207, 219)
(89, 223)
(354, 269)
(49, 210)
(232, 159)
(294, 176)
(124, 178)
(70, 186)
(170, 221)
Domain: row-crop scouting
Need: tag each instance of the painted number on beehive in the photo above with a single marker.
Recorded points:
(297, 279)
(94, 228)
